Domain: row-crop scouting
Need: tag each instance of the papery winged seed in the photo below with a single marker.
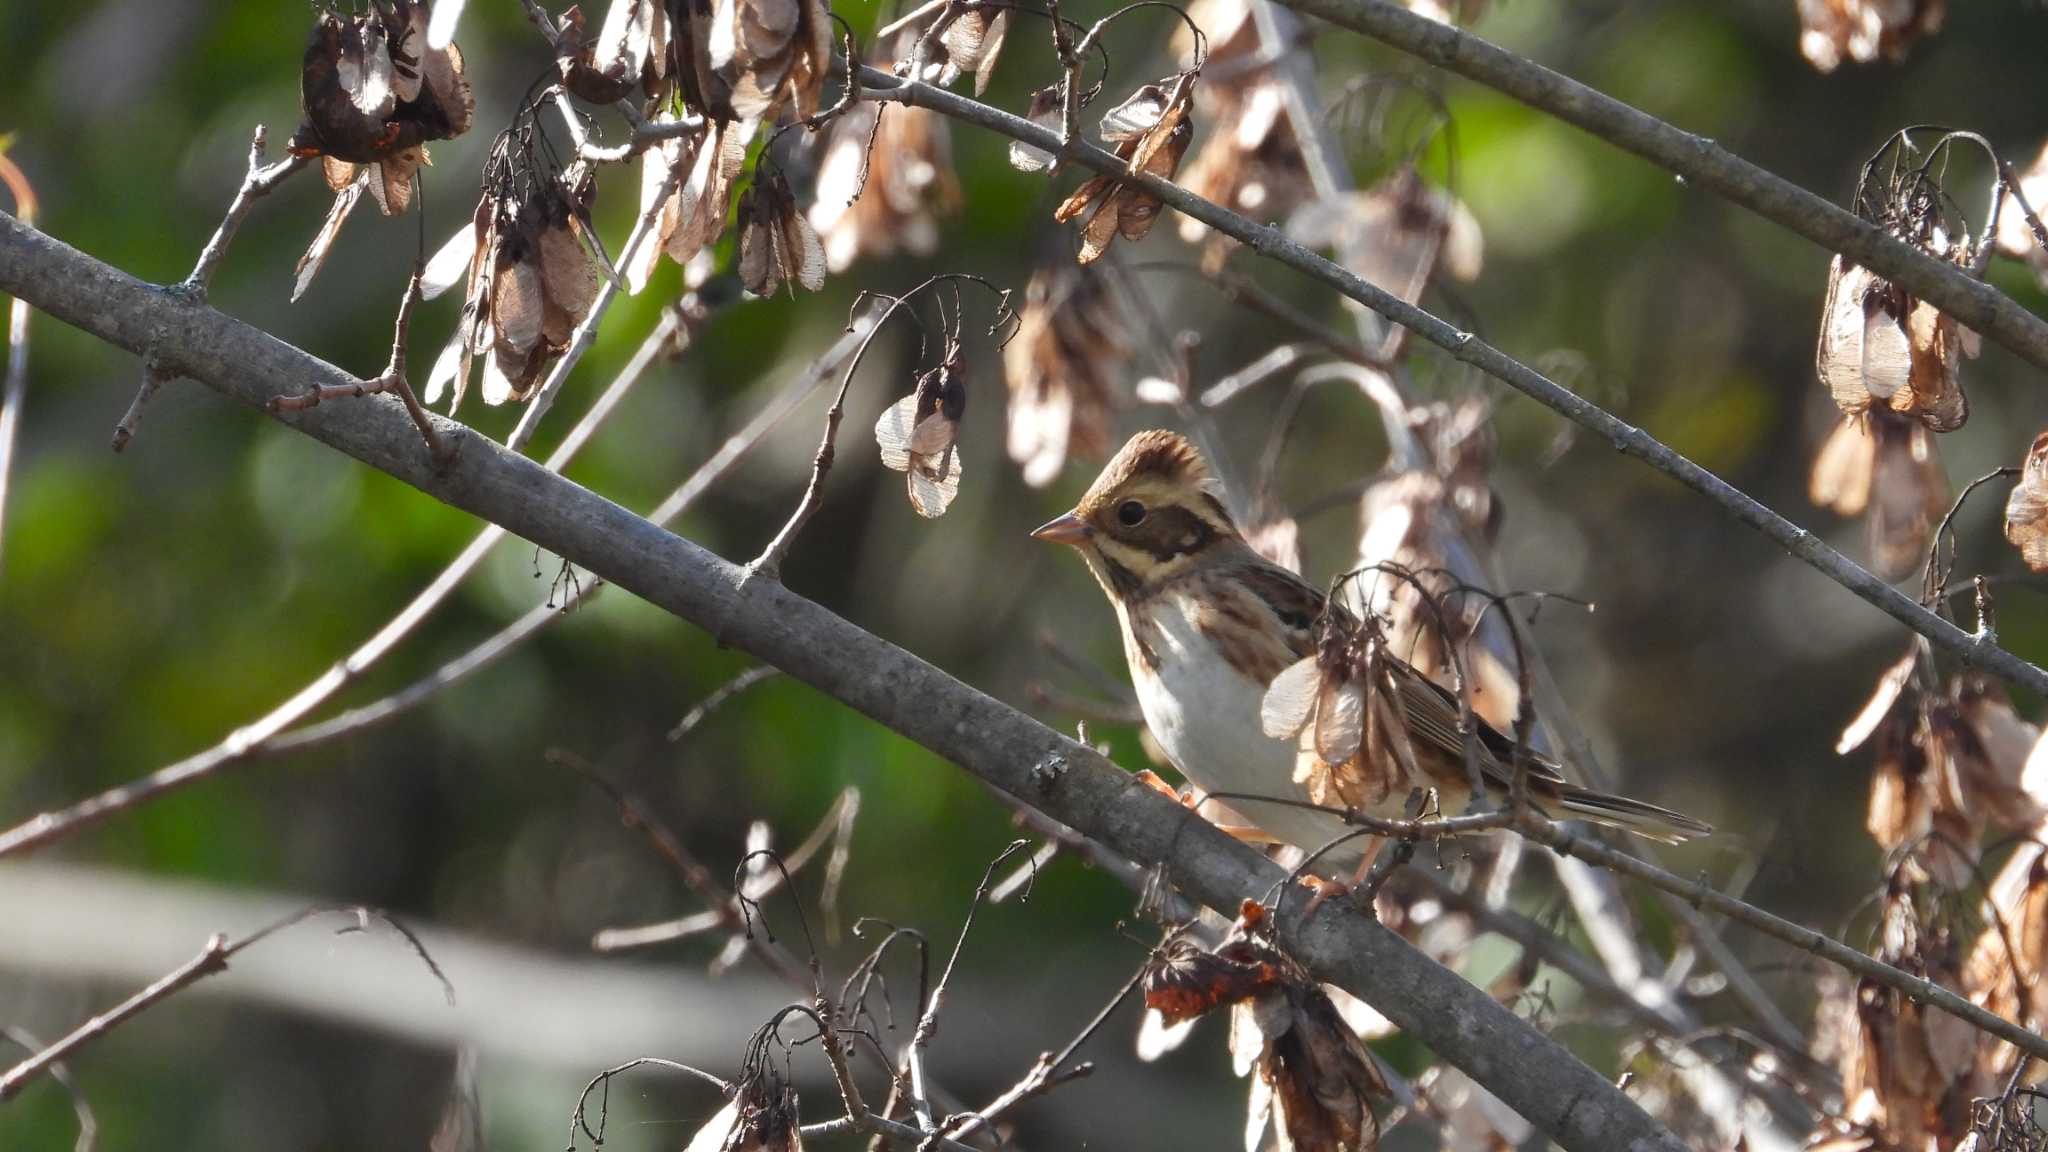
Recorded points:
(1340, 721)
(568, 273)
(372, 93)
(1290, 698)
(1908, 496)
(323, 241)
(1841, 471)
(1838, 358)
(893, 431)
(712, 1136)
(758, 273)
(1889, 686)
(1135, 116)
(516, 304)
(1885, 356)
(450, 367)
(450, 263)
(933, 435)
(934, 483)
(497, 387)
(810, 253)
(391, 179)
(338, 173)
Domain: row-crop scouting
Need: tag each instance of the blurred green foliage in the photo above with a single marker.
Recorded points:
(152, 602)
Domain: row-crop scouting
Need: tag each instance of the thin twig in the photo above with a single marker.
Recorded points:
(266, 734)
(392, 380)
(1464, 346)
(88, 1124)
(1701, 162)
(212, 958)
(1050, 1070)
(258, 182)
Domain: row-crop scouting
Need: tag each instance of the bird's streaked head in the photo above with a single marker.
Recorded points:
(1155, 510)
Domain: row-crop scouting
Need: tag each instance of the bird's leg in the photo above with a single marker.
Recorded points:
(1192, 797)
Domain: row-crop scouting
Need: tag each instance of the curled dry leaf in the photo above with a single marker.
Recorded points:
(884, 181)
(1315, 1084)
(777, 245)
(629, 55)
(372, 94)
(1250, 164)
(1062, 364)
(1149, 132)
(1864, 30)
(1886, 465)
(919, 435)
(2026, 509)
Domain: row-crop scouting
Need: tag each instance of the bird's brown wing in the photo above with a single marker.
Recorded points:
(1295, 603)
(1432, 712)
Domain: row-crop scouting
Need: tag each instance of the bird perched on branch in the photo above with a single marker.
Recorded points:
(1256, 686)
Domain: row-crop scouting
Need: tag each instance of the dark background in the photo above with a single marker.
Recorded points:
(153, 601)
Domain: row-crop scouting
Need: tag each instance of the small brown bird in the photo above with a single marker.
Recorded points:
(1253, 689)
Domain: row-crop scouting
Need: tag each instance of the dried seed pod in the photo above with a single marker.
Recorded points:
(761, 1117)
(2017, 908)
(1150, 132)
(530, 279)
(1061, 363)
(919, 436)
(1888, 466)
(971, 43)
(1251, 164)
(1396, 235)
(2026, 509)
(1909, 1071)
(777, 245)
(1044, 111)
(885, 179)
(628, 55)
(752, 57)
(1864, 30)
(693, 208)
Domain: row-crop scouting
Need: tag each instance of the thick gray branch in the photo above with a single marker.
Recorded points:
(1529, 1071)
(1700, 161)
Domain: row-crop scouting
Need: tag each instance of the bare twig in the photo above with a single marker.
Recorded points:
(1464, 346)
(716, 700)
(258, 182)
(88, 1124)
(1701, 162)
(266, 735)
(391, 381)
(1049, 1071)
(212, 958)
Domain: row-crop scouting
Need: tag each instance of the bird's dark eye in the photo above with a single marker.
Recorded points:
(1130, 513)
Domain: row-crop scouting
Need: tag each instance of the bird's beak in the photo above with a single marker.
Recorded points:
(1068, 529)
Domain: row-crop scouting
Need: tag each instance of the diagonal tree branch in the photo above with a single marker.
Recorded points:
(1700, 161)
(1530, 1072)
(1979, 650)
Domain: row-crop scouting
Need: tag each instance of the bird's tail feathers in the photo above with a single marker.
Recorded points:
(1646, 820)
